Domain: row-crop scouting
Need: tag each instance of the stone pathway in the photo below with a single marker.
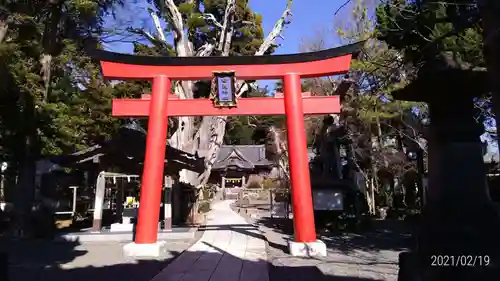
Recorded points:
(343, 263)
(229, 250)
(371, 256)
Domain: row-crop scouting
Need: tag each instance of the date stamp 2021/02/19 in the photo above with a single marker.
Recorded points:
(460, 260)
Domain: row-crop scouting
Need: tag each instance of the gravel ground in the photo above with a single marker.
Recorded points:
(58, 261)
(367, 256)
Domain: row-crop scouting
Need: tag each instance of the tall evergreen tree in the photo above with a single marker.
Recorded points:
(45, 82)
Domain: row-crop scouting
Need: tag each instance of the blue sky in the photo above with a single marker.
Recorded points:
(307, 20)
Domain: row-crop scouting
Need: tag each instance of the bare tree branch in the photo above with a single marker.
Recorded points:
(205, 50)
(280, 152)
(211, 18)
(249, 123)
(208, 138)
(159, 29)
(269, 41)
(150, 37)
(227, 28)
(175, 18)
(416, 141)
(4, 28)
(277, 29)
(342, 6)
(216, 128)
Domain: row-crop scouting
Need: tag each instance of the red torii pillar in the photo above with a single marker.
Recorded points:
(161, 104)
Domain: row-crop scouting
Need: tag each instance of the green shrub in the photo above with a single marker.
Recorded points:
(254, 185)
(269, 184)
(208, 191)
(204, 207)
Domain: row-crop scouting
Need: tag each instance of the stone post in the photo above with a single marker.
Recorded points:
(119, 200)
(100, 189)
(73, 203)
(168, 203)
(223, 187)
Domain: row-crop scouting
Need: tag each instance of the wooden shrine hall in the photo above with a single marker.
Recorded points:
(236, 164)
(123, 156)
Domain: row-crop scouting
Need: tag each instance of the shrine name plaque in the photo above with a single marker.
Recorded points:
(223, 91)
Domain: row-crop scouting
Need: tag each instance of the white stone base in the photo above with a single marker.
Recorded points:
(311, 249)
(127, 220)
(144, 250)
(121, 227)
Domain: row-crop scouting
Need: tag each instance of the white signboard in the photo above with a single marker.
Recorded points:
(225, 89)
(279, 210)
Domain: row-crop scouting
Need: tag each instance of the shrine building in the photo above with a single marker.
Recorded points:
(237, 164)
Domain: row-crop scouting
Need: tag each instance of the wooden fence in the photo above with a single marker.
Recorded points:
(277, 201)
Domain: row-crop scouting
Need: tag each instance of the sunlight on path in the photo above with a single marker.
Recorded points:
(230, 250)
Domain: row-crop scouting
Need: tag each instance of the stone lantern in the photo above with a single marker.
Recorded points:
(459, 220)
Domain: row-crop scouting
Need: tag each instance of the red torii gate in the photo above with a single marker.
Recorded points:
(161, 104)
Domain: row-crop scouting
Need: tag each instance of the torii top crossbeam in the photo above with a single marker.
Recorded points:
(314, 64)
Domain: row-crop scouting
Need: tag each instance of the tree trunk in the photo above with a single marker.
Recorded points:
(374, 183)
(46, 71)
(208, 138)
(25, 191)
(373, 186)
(4, 28)
(370, 196)
(381, 145)
(50, 40)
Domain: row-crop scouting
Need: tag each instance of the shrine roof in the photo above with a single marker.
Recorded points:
(127, 150)
(242, 156)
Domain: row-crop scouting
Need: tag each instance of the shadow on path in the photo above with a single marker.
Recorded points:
(62, 261)
(383, 235)
(246, 229)
(308, 273)
(58, 261)
(219, 265)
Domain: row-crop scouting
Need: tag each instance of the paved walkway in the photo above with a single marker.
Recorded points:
(230, 250)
